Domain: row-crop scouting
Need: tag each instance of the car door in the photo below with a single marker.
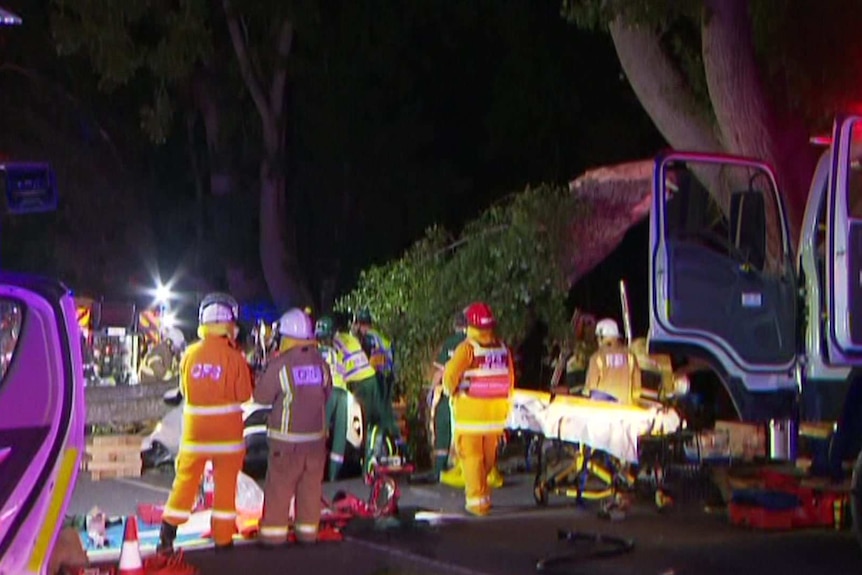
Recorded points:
(722, 277)
(41, 417)
(844, 243)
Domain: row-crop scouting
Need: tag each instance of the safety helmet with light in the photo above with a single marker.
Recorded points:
(218, 307)
(479, 315)
(607, 328)
(324, 328)
(297, 324)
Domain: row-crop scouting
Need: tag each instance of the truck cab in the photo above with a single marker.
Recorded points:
(779, 328)
(729, 293)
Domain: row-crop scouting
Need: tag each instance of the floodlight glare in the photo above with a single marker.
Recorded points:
(163, 294)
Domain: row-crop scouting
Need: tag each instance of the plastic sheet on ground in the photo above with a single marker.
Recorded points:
(609, 427)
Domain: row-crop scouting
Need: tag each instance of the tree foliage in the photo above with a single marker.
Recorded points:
(151, 45)
(510, 257)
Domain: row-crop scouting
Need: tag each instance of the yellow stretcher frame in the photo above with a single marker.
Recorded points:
(572, 480)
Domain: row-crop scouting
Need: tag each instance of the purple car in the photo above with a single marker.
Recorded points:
(41, 417)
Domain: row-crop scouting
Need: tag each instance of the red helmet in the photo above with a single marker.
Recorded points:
(479, 315)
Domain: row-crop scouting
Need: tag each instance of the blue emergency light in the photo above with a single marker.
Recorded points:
(27, 188)
(9, 19)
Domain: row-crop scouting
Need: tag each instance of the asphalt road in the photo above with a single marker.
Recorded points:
(512, 539)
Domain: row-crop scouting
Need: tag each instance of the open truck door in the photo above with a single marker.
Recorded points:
(844, 243)
(723, 287)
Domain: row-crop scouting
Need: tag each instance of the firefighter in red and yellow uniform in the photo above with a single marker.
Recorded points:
(613, 373)
(215, 380)
(479, 378)
(297, 383)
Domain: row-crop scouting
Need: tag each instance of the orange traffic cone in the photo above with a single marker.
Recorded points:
(130, 553)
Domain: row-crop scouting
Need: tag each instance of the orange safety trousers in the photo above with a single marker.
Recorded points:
(478, 455)
(190, 469)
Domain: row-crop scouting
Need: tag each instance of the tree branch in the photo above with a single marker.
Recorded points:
(662, 90)
(251, 80)
(279, 74)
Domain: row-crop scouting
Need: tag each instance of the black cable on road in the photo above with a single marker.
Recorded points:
(588, 546)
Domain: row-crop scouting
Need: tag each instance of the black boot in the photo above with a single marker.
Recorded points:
(167, 535)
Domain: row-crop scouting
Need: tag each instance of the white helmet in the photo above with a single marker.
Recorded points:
(176, 337)
(607, 328)
(218, 308)
(297, 324)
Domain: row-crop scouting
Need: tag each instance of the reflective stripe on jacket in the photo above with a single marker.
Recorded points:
(215, 380)
(382, 357)
(356, 364)
(489, 376)
(478, 361)
(334, 359)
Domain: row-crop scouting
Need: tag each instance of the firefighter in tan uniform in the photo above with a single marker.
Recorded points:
(214, 380)
(613, 373)
(297, 382)
(479, 378)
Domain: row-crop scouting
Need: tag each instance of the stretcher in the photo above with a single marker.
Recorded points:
(589, 447)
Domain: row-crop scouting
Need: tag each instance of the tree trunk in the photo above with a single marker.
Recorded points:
(278, 251)
(206, 97)
(747, 119)
(662, 90)
(278, 243)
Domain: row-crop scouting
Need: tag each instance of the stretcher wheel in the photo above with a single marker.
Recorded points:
(540, 491)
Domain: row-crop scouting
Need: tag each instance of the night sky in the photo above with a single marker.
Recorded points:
(472, 105)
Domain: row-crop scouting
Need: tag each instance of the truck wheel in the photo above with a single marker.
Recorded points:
(856, 498)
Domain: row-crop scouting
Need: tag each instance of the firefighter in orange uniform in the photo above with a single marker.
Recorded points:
(613, 373)
(297, 383)
(215, 380)
(479, 378)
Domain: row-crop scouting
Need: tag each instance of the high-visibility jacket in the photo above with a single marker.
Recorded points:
(335, 360)
(614, 370)
(480, 378)
(448, 349)
(215, 381)
(381, 355)
(356, 365)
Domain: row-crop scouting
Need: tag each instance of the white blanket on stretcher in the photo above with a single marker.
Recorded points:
(609, 427)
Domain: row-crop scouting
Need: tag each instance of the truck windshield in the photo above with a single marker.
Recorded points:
(729, 208)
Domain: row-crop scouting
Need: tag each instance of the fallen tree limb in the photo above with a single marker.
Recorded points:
(616, 198)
